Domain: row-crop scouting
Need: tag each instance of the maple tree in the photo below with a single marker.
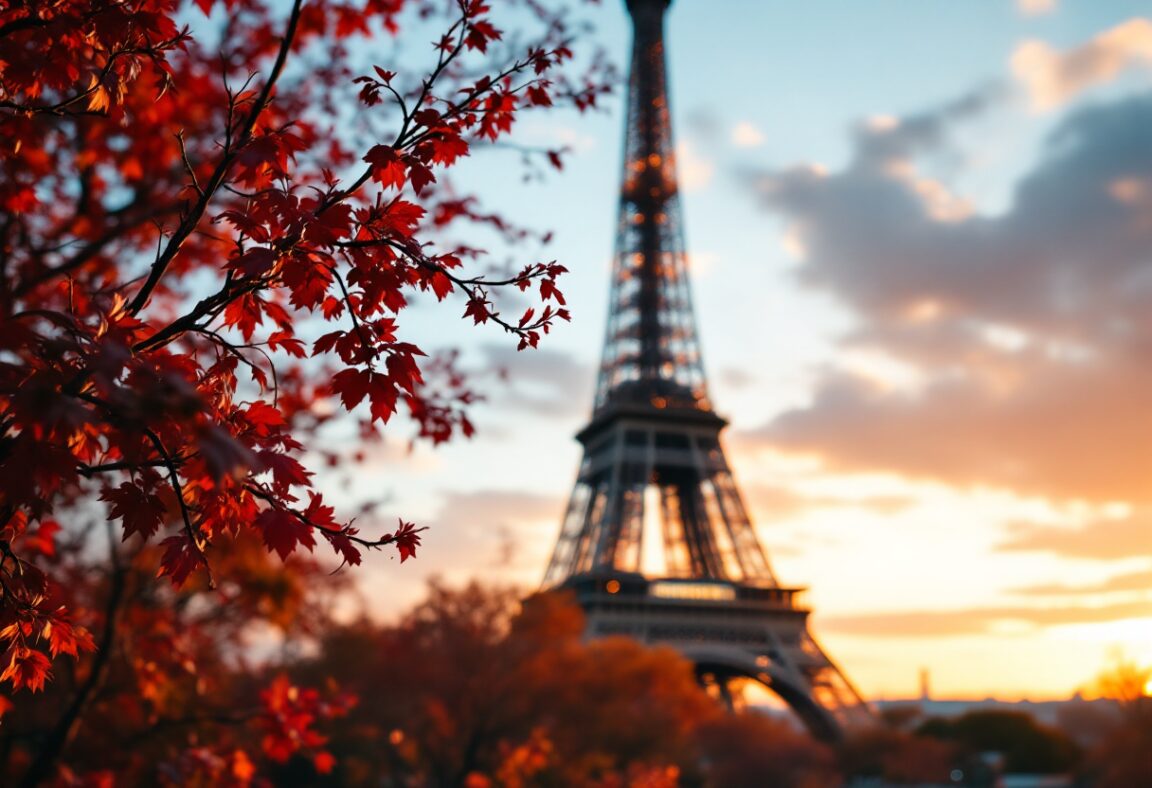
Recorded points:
(475, 688)
(471, 688)
(889, 753)
(213, 217)
(179, 698)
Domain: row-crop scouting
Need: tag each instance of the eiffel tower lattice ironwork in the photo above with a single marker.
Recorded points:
(656, 541)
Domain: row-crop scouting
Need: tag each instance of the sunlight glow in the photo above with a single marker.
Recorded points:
(882, 370)
(745, 135)
(882, 123)
(923, 311)
(1004, 337)
(1135, 634)
(792, 242)
(1129, 191)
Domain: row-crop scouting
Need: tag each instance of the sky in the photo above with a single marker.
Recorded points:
(919, 235)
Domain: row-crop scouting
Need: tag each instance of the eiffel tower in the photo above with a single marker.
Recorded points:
(656, 543)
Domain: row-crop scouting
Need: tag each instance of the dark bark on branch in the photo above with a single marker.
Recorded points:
(46, 759)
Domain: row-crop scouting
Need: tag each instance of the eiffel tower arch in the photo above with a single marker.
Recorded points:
(656, 542)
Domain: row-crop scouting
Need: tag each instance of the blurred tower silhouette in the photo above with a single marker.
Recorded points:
(656, 542)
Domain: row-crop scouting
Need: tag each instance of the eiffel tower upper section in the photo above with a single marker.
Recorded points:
(651, 352)
(654, 483)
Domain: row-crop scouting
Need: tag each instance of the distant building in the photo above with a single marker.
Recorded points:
(1048, 712)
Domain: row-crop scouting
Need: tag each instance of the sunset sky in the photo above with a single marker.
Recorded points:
(920, 235)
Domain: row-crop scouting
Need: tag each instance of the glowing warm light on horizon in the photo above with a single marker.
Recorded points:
(1135, 633)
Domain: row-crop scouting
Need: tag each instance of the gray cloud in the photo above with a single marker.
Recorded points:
(1047, 264)
(736, 377)
(704, 125)
(1028, 332)
(924, 132)
(544, 382)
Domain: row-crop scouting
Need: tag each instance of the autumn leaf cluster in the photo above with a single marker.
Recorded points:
(215, 217)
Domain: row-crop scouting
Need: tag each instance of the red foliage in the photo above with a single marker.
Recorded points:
(180, 209)
(289, 713)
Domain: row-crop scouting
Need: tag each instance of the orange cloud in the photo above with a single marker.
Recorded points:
(975, 621)
(778, 502)
(1098, 539)
(1052, 77)
(1128, 581)
(1039, 428)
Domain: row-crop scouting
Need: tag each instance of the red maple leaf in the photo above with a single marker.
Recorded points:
(27, 669)
(407, 539)
(141, 510)
(351, 385)
(283, 531)
(387, 168)
(286, 470)
(181, 558)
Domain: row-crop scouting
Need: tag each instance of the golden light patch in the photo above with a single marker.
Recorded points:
(702, 263)
(792, 242)
(745, 135)
(695, 170)
(882, 370)
(1128, 191)
(881, 123)
(924, 311)
(942, 205)
(1035, 7)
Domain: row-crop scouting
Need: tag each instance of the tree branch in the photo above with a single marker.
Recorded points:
(58, 738)
(192, 218)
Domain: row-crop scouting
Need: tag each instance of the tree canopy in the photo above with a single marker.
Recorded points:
(214, 219)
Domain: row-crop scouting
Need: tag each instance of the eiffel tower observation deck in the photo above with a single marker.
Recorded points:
(656, 542)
